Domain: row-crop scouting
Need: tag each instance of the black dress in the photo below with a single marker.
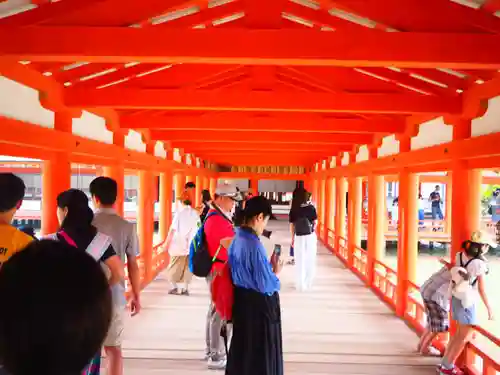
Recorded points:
(256, 345)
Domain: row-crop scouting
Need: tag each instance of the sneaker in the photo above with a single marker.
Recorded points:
(173, 291)
(214, 364)
(431, 352)
(185, 292)
(452, 371)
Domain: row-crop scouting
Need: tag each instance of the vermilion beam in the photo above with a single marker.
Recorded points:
(251, 47)
(281, 161)
(241, 123)
(257, 147)
(260, 136)
(260, 101)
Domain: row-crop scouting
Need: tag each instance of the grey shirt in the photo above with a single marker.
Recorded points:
(124, 240)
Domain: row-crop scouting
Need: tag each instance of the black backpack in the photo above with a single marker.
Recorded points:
(303, 226)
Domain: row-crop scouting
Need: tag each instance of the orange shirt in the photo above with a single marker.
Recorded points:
(12, 240)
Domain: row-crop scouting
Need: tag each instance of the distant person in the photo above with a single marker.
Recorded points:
(206, 204)
(182, 231)
(472, 263)
(190, 190)
(76, 229)
(303, 219)
(56, 310)
(123, 234)
(421, 209)
(218, 230)
(256, 345)
(435, 199)
(12, 240)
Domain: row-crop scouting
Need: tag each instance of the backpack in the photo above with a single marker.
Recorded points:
(464, 289)
(200, 261)
(303, 226)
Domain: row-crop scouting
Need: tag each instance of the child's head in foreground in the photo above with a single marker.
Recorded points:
(56, 310)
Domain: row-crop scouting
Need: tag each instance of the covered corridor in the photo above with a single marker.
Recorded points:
(340, 327)
(341, 96)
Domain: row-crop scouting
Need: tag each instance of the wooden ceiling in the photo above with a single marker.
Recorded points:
(270, 82)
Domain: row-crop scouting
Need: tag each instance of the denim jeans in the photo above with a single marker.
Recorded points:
(437, 213)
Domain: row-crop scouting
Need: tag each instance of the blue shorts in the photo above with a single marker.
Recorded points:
(464, 316)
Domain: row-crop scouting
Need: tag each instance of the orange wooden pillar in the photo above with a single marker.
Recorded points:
(447, 215)
(179, 181)
(145, 218)
(408, 232)
(340, 208)
(323, 200)
(329, 208)
(466, 194)
(56, 177)
(213, 186)
(166, 192)
(354, 216)
(199, 188)
(254, 186)
(117, 173)
(377, 221)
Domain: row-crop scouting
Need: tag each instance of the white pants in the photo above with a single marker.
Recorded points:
(305, 248)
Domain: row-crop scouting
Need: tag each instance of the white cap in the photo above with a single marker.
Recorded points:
(228, 190)
(483, 237)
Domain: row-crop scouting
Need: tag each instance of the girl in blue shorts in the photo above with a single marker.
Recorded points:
(471, 263)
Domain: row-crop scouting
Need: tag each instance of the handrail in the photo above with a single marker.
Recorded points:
(478, 357)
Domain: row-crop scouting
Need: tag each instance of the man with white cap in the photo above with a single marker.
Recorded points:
(219, 230)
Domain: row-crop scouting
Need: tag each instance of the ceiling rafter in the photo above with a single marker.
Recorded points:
(252, 47)
(244, 101)
(283, 123)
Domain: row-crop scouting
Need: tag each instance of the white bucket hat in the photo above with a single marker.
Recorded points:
(228, 190)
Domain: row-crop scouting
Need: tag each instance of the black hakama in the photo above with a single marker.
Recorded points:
(256, 345)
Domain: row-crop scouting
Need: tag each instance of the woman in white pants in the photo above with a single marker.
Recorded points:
(302, 219)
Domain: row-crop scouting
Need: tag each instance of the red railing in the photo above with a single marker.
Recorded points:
(160, 259)
(385, 282)
(481, 356)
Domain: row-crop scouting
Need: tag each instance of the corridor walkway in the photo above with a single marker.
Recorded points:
(338, 328)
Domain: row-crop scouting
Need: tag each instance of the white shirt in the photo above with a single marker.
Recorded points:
(183, 229)
(421, 204)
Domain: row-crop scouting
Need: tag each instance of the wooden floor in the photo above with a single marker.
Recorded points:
(339, 327)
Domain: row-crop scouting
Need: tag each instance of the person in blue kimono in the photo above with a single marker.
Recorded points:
(256, 345)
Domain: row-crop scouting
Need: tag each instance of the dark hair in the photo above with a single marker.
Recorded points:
(205, 195)
(56, 310)
(105, 189)
(78, 222)
(299, 197)
(189, 185)
(254, 207)
(473, 249)
(12, 189)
